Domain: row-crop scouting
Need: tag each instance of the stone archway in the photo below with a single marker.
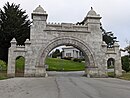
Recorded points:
(111, 67)
(46, 36)
(110, 62)
(89, 57)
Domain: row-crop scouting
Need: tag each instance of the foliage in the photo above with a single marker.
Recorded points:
(111, 74)
(127, 49)
(125, 63)
(57, 64)
(56, 54)
(125, 76)
(67, 58)
(3, 65)
(3, 75)
(77, 60)
(20, 62)
(108, 37)
(3, 68)
(14, 24)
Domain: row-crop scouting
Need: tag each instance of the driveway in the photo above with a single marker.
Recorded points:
(63, 86)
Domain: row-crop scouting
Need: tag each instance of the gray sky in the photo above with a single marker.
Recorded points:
(115, 13)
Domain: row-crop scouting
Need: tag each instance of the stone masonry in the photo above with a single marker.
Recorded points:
(46, 36)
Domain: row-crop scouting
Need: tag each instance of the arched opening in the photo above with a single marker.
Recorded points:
(65, 59)
(19, 66)
(68, 41)
(111, 67)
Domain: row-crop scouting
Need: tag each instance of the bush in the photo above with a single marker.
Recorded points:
(67, 58)
(77, 60)
(125, 63)
(3, 66)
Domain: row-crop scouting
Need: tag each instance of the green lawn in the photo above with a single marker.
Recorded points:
(125, 76)
(3, 75)
(56, 64)
(3, 68)
(111, 74)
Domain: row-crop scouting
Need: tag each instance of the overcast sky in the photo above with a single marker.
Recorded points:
(115, 13)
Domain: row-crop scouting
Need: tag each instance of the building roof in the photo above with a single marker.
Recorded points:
(68, 47)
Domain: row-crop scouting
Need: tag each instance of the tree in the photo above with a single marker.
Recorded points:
(125, 63)
(127, 48)
(14, 24)
(108, 37)
(56, 54)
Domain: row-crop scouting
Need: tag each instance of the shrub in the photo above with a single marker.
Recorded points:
(67, 58)
(77, 60)
(125, 63)
(3, 66)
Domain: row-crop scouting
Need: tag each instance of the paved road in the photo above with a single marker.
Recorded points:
(64, 86)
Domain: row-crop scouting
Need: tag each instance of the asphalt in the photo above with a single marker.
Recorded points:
(64, 85)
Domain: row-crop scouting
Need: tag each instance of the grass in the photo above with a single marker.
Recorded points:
(111, 74)
(56, 64)
(3, 75)
(125, 76)
(3, 68)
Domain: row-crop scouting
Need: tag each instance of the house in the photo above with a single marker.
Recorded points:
(70, 51)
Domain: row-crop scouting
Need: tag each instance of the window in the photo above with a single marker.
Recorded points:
(68, 54)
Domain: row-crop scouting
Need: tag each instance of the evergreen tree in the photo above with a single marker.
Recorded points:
(127, 49)
(14, 24)
(125, 63)
(56, 54)
(108, 37)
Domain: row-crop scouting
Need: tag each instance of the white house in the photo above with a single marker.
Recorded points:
(70, 51)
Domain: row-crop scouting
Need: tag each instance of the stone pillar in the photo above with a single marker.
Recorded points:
(40, 71)
(118, 65)
(27, 68)
(39, 17)
(91, 71)
(11, 59)
(104, 72)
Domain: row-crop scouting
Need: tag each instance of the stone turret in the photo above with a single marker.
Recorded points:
(39, 14)
(27, 44)
(92, 20)
(92, 17)
(13, 42)
(39, 17)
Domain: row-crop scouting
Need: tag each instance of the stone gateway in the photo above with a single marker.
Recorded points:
(46, 36)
